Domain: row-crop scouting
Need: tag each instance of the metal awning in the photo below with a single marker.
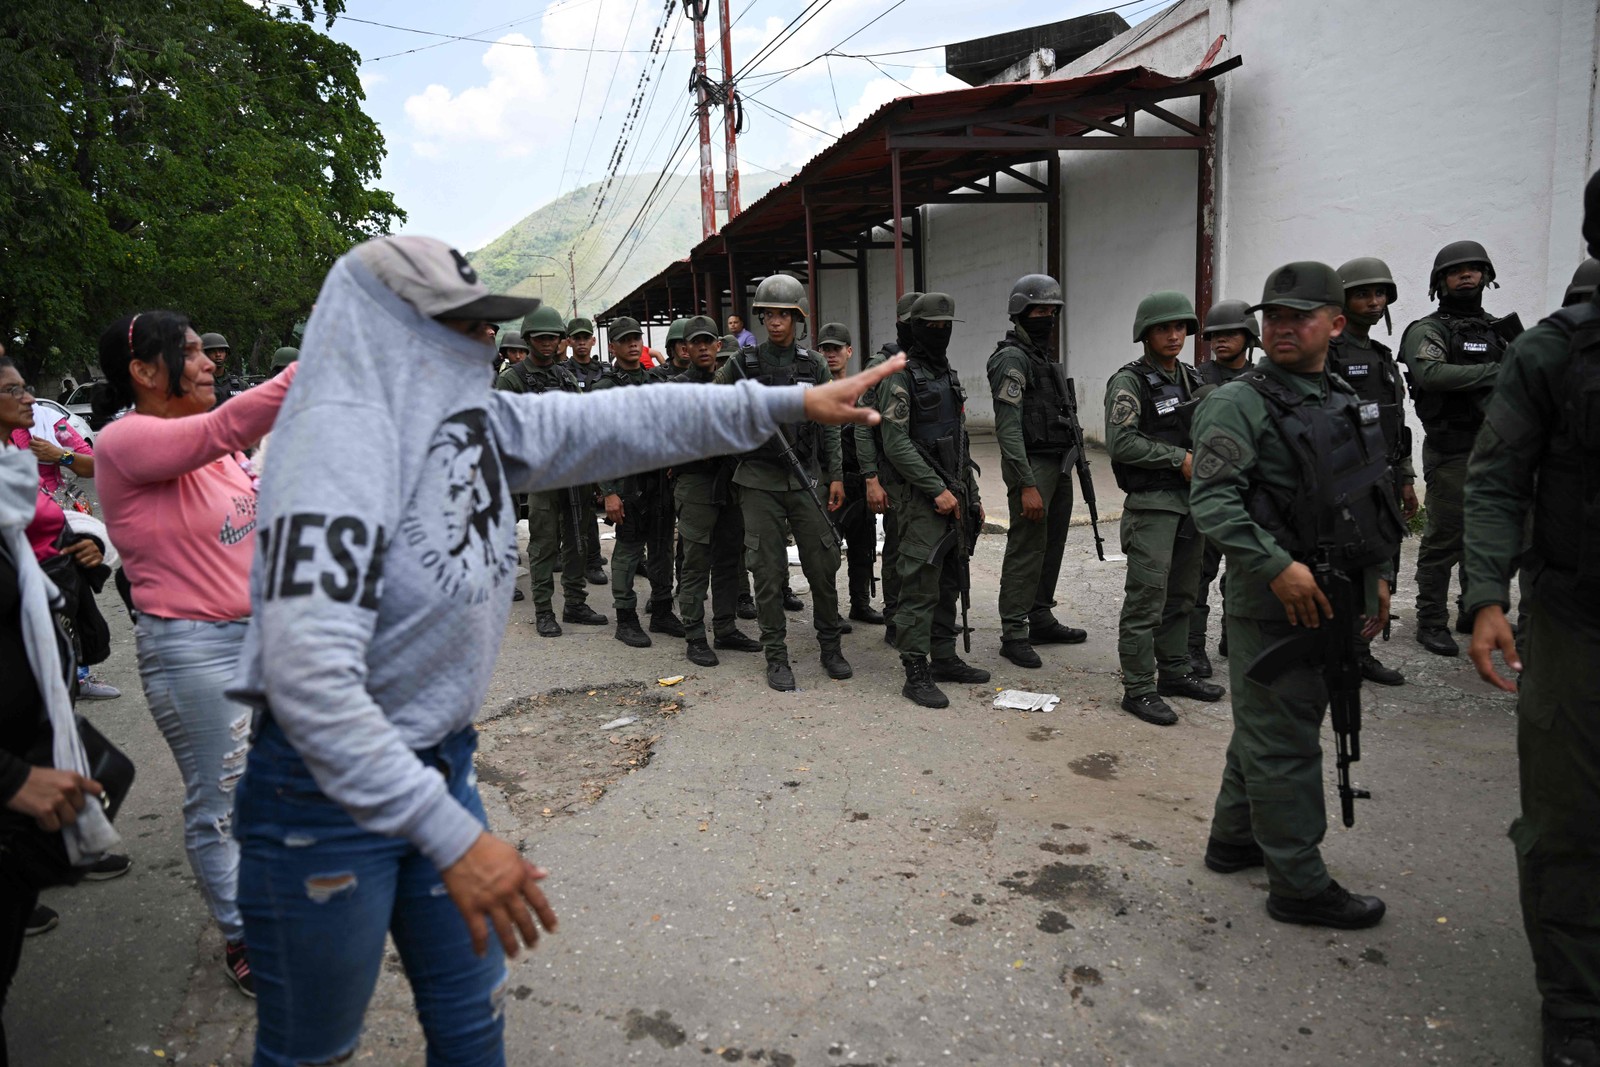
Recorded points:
(957, 147)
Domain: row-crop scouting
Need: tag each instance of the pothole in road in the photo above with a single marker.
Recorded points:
(548, 754)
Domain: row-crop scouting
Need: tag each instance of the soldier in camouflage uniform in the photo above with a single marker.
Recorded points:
(772, 496)
(1147, 438)
(867, 458)
(1537, 454)
(548, 511)
(1035, 425)
(640, 509)
(710, 526)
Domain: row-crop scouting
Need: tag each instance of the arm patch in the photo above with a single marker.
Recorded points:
(1012, 384)
(898, 409)
(1124, 409)
(1218, 454)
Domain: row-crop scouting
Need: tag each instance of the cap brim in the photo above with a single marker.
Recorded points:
(1298, 305)
(937, 318)
(493, 308)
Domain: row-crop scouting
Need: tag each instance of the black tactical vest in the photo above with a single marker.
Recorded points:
(554, 378)
(1159, 418)
(1214, 373)
(1566, 508)
(1451, 419)
(1047, 427)
(1343, 505)
(937, 400)
(802, 435)
(586, 373)
(1374, 375)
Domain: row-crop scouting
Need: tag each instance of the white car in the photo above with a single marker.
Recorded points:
(47, 413)
(80, 403)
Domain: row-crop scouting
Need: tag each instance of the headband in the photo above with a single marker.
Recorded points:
(130, 335)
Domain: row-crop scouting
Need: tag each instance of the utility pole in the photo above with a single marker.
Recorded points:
(697, 10)
(732, 114)
(541, 278)
(572, 278)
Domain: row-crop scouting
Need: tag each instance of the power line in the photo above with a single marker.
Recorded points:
(841, 44)
(610, 85)
(577, 112)
(623, 152)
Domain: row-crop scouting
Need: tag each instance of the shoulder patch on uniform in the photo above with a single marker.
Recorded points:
(1219, 453)
(1012, 383)
(1432, 349)
(1124, 409)
(898, 409)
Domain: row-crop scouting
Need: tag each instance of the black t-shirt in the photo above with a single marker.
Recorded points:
(22, 722)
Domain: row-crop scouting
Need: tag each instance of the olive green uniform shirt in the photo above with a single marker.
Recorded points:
(898, 449)
(1425, 350)
(867, 436)
(776, 477)
(1009, 379)
(1126, 443)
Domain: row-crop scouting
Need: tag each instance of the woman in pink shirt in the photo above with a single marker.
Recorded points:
(180, 505)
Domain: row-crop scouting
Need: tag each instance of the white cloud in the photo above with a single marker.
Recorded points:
(497, 111)
(371, 78)
(805, 143)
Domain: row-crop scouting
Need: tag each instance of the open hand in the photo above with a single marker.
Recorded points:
(835, 496)
(1373, 625)
(835, 402)
(1491, 630)
(491, 884)
(877, 498)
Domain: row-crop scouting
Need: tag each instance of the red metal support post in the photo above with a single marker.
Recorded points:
(730, 111)
(899, 236)
(1205, 218)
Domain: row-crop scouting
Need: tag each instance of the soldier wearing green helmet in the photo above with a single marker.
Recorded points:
(583, 366)
(1267, 445)
(868, 440)
(773, 497)
(511, 348)
(542, 330)
(710, 526)
(1452, 357)
(225, 379)
(676, 348)
(1232, 332)
(1035, 424)
(1369, 367)
(282, 358)
(1147, 438)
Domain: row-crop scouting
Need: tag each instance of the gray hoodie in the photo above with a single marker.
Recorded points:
(387, 540)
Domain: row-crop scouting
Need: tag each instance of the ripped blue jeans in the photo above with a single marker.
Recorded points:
(185, 665)
(319, 894)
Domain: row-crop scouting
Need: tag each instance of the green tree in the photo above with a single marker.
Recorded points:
(204, 155)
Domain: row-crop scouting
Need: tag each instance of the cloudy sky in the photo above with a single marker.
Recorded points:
(480, 132)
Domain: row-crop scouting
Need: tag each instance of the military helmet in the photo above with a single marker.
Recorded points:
(1231, 315)
(544, 321)
(1305, 286)
(833, 333)
(782, 291)
(935, 307)
(1369, 270)
(284, 356)
(730, 345)
(699, 326)
(675, 331)
(1033, 289)
(623, 327)
(1584, 281)
(1163, 306)
(1455, 254)
(580, 325)
(208, 341)
(902, 307)
(511, 337)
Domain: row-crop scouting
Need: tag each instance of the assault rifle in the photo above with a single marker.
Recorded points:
(949, 461)
(1336, 646)
(1077, 457)
(800, 471)
(575, 513)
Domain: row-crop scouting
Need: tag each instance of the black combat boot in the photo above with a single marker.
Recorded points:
(735, 641)
(1151, 708)
(747, 607)
(889, 632)
(779, 676)
(845, 627)
(1222, 642)
(863, 611)
(1191, 687)
(596, 574)
(955, 669)
(583, 615)
(629, 631)
(1021, 653)
(792, 602)
(1437, 639)
(545, 622)
(1199, 662)
(1055, 633)
(919, 687)
(663, 621)
(699, 653)
(1335, 906)
(517, 593)
(836, 665)
(1225, 858)
(1373, 671)
(1571, 1042)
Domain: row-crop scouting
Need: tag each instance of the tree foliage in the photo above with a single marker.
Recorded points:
(205, 155)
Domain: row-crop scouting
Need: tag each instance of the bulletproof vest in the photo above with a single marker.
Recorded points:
(1213, 373)
(1342, 507)
(642, 376)
(1566, 507)
(586, 373)
(1451, 419)
(1159, 418)
(802, 435)
(553, 378)
(1374, 375)
(937, 400)
(1047, 412)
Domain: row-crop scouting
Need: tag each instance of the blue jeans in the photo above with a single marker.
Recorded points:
(185, 665)
(319, 894)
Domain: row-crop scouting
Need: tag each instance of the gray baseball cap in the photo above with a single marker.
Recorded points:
(437, 280)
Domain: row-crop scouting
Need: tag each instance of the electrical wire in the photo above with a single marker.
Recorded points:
(577, 112)
(610, 85)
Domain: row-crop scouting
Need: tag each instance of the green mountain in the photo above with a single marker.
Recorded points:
(538, 245)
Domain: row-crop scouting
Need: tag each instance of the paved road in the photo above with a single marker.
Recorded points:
(837, 877)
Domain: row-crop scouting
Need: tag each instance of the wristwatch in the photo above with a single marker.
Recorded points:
(67, 458)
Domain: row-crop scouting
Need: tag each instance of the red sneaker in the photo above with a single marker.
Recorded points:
(236, 961)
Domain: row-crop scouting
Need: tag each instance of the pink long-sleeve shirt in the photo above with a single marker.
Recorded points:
(180, 503)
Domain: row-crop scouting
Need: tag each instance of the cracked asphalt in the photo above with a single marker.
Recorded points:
(835, 876)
